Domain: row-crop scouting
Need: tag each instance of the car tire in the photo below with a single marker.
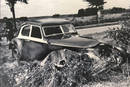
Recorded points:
(118, 57)
(15, 53)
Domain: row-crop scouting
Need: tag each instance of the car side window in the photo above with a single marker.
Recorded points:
(26, 30)
(36, 32)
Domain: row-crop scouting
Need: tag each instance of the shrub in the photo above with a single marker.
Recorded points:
(121, 35)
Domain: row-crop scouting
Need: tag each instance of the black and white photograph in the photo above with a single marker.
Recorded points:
(64, 43)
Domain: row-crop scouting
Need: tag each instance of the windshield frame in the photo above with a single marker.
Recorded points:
(74, 30)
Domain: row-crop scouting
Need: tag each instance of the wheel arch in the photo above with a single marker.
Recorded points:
(17, 43)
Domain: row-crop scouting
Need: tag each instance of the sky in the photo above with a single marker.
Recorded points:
(50, 7)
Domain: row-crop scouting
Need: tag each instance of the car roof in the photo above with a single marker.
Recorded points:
(48, 21)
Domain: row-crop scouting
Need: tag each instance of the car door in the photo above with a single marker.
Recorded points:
(35, 47)
(36, 33)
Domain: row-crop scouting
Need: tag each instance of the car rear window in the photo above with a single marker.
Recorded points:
(26, 30)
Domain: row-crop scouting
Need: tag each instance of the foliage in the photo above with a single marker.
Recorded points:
(99, 5)
(22, 19)
(56, 15)
(114, 10)
(11, 4)
(121, 35)
(87, 12)
(75, 71)
(96, 3)
(81, 12)
(78, 69)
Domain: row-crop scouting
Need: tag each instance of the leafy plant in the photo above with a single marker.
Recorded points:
(121, 35)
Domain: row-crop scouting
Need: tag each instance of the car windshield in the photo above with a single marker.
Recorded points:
(68, 28)
(60, 29)
(52, 30)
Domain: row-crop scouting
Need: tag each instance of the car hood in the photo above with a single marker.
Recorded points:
(73, 41)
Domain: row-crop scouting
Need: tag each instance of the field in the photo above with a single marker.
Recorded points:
(11, 73)
(88, 20)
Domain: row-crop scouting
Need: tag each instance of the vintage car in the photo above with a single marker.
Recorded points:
(37, 38)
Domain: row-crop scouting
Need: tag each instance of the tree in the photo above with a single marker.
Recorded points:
(81, 12)
(11, 4)
(98, 4)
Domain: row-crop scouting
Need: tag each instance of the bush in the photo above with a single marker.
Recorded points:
(121, 35)
(87, 12)
(56, 15)
(23, 19)
(114, 10)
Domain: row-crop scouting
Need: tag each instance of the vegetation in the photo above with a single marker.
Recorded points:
(114, 10)
(75, 74)
(87, 12)
(93, 11)
(121, 35)
(96, 3)
(56, 15)
(11, 4)
(107, 18)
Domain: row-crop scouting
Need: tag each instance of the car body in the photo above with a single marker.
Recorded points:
(37, 38)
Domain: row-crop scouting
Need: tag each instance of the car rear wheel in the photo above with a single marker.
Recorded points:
(15, 53)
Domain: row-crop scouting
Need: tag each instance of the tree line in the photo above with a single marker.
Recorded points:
(93, 11)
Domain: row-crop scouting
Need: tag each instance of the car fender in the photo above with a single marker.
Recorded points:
(17, 43)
